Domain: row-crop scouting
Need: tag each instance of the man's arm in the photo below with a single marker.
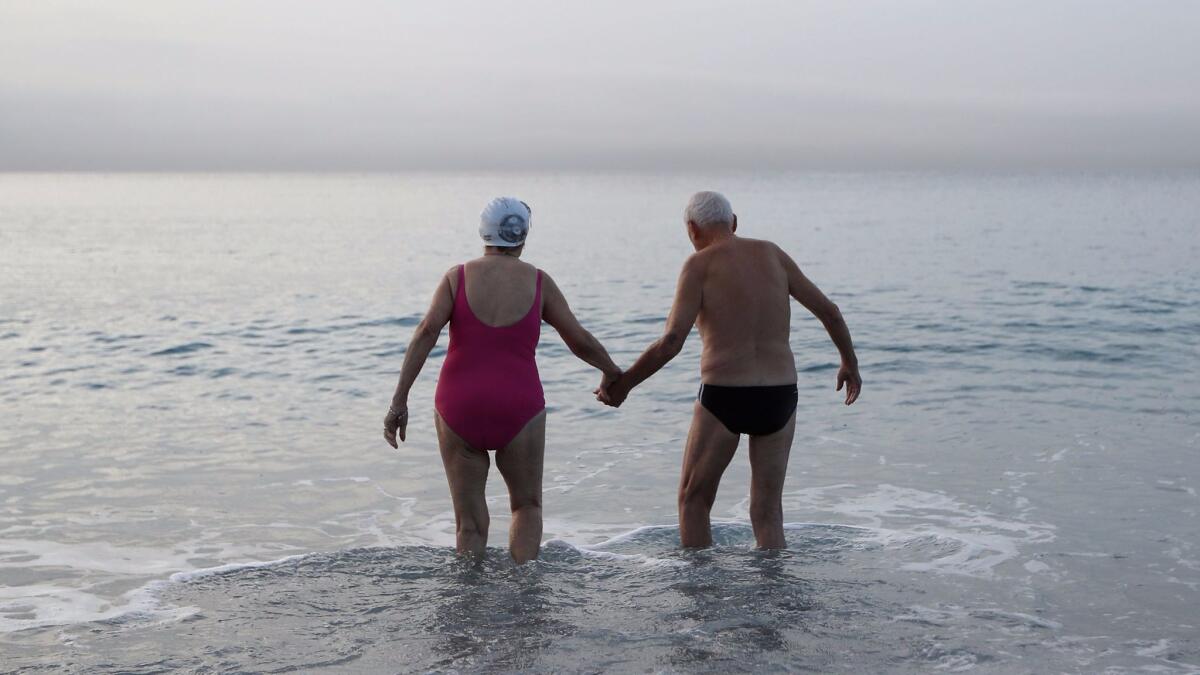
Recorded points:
(688, 294)
(806, 293)
(582, 344)
(424, 338)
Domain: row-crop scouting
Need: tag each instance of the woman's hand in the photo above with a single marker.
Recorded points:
(395, 422)
(610, 392)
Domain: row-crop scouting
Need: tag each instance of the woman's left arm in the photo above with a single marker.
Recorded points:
(582, 344)
(424, 339)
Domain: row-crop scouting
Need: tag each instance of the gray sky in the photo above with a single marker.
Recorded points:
(384, 84)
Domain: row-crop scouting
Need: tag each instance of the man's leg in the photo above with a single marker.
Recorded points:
(710, 447)
(466, 471)
(520, 462)
(768, 464)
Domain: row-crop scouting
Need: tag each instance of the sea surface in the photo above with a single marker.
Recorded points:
(194, 370)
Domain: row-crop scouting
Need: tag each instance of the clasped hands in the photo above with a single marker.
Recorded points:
(613, 389)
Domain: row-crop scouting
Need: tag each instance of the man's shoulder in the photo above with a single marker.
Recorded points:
(762, 244)
(697, 260)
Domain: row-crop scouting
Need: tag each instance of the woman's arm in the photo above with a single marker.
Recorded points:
(424, 339)
(582, 344)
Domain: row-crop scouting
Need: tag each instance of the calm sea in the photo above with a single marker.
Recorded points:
(194, 368)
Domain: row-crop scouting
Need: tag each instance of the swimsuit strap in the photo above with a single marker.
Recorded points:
(537, 300)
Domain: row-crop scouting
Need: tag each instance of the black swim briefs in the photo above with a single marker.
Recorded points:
(756, 411)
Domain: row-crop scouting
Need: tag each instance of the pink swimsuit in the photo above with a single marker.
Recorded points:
(489, 387)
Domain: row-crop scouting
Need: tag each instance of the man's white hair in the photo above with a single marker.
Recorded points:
(707, 209)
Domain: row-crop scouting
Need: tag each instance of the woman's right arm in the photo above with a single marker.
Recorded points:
(424, 339)
(582, 344)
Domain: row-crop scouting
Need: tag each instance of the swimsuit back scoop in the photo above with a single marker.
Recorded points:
(489, 387)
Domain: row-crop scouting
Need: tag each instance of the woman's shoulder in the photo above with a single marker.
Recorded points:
(450, 277)
(483, 266)
(528, 268)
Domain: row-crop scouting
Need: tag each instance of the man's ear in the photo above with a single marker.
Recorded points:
(734, 228)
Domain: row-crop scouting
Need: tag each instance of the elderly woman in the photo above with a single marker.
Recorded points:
(489, 395)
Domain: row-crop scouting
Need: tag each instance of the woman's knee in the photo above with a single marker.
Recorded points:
(526, 502)
(475, 524)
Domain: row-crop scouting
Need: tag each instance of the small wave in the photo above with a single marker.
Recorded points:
(400, 321)
(187, 348)
(554, 549)
(185, 577)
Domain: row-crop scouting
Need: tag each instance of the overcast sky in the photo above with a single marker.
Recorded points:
(384, 84)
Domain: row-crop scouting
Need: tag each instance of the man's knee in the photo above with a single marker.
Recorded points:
(766, 511)
(697, 494)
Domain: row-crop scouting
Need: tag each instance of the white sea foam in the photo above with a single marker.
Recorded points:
(39, 606)
(83, 573)
(1036, 566)
(634, 533)
(962, 539)
(184, 577)
(596, 553)
(898, 516)
(1156, 648)
(310, 482)
(95, 556)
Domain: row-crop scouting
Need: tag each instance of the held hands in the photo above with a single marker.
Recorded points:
(848, 376)
(611, 391)
(395, 422)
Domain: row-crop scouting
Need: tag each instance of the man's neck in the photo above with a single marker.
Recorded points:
(712, 238)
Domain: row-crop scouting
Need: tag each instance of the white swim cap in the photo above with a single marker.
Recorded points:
(505, 221)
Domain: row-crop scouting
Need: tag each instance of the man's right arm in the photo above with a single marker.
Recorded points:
(806, 293)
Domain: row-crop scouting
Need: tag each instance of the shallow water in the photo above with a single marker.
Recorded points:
(193, 369)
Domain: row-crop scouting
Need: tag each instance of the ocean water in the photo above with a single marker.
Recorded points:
(194, 368)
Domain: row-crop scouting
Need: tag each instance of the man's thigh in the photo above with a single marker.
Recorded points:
(769, 458)
(710, 448)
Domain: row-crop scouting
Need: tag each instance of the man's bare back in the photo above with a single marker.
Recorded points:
(738, 291)
(745, 314)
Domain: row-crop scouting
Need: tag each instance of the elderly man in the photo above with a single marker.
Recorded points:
(738, 290)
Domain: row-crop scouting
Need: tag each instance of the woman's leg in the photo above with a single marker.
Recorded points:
(520, 462)
(466, 471)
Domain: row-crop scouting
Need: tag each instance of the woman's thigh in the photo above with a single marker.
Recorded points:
(520, 462)
(466, 470)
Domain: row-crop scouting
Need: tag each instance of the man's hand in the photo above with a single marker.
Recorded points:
(396, 422)
(848, 375)
(611, 391)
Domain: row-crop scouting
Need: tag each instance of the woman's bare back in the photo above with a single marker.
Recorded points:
(500, 289)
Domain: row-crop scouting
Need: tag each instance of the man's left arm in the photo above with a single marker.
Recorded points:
(688, 294)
